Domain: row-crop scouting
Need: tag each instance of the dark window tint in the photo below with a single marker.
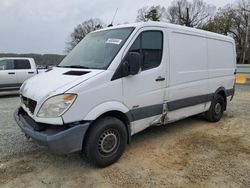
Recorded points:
(151, 49)
(6, 64)
(149, 45)
(136, 47)
(22, 64)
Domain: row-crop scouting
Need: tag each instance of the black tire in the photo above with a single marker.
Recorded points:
(105, 141)
(216, 109)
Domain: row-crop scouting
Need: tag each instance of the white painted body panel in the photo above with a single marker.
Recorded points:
(46, 85)
(186, 112)
(193, 64)
(95, 96)
(52, 83)
(221, 64)
(140, 125)
(142, 90)
(200, 63)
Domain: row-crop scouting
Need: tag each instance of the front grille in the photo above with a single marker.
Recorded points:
(29, 103)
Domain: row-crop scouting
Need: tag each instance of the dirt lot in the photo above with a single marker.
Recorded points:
(189, 153)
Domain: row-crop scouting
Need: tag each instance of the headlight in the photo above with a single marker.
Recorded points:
(56, 106)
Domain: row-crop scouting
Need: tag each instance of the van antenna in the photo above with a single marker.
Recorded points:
(110, 25)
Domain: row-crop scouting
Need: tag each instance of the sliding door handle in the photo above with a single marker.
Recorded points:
(159, 79)
(11, 73)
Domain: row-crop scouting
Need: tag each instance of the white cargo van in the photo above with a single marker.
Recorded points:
(120, 80)
(14, 71)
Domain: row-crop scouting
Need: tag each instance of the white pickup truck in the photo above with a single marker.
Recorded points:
(14, 71)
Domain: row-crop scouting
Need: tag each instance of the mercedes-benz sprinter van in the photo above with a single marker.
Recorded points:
(120, 80)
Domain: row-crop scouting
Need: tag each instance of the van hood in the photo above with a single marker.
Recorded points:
(55, 81)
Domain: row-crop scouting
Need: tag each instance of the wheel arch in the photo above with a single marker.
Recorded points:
(121, 116)
(222, 92)
(112, 109)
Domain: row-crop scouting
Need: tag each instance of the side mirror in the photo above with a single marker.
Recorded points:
(131, 65)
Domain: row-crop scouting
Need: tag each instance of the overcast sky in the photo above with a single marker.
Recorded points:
(44, 26)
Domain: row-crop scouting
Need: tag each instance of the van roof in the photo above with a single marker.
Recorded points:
(174, 27)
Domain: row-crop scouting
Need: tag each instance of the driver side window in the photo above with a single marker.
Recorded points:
(149, 45)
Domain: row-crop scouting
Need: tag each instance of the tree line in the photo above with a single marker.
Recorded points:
(232, 20)
(40, 59)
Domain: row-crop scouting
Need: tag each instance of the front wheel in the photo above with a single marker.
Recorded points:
(216, 109)
(106, 141)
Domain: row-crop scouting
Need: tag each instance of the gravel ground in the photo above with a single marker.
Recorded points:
(188, 153)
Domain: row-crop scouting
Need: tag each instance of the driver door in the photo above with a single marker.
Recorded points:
(144, 93)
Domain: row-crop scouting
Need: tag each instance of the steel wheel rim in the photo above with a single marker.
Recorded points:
(218, 108)
(108, 142)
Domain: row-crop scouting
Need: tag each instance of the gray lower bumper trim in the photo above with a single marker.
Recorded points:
(58, 140)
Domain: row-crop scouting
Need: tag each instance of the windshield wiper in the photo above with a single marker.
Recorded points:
(74, 66)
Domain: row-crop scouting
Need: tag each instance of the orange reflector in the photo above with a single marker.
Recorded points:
(68, 97)
(241, 79)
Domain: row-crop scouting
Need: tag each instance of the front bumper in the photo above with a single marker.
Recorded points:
(58, 139)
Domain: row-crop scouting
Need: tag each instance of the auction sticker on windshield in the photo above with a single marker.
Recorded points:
(114, 41)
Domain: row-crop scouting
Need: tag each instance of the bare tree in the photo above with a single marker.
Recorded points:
(191, 14)
(81, 30)
(172, 14)
(153, 13)
(141, 14)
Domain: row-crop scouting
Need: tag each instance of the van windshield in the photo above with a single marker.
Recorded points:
(97, 50)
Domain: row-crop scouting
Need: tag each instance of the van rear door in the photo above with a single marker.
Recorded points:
(144, 93)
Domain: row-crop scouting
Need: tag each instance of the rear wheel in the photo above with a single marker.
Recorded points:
(106, 141)
(216, 109)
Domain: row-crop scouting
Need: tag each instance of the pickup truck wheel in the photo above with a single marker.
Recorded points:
(216, 109)
(105, 142)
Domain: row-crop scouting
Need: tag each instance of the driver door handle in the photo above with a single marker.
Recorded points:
(159, 79)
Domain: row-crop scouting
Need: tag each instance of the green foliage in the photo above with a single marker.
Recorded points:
(222, 23)
(153, 15)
